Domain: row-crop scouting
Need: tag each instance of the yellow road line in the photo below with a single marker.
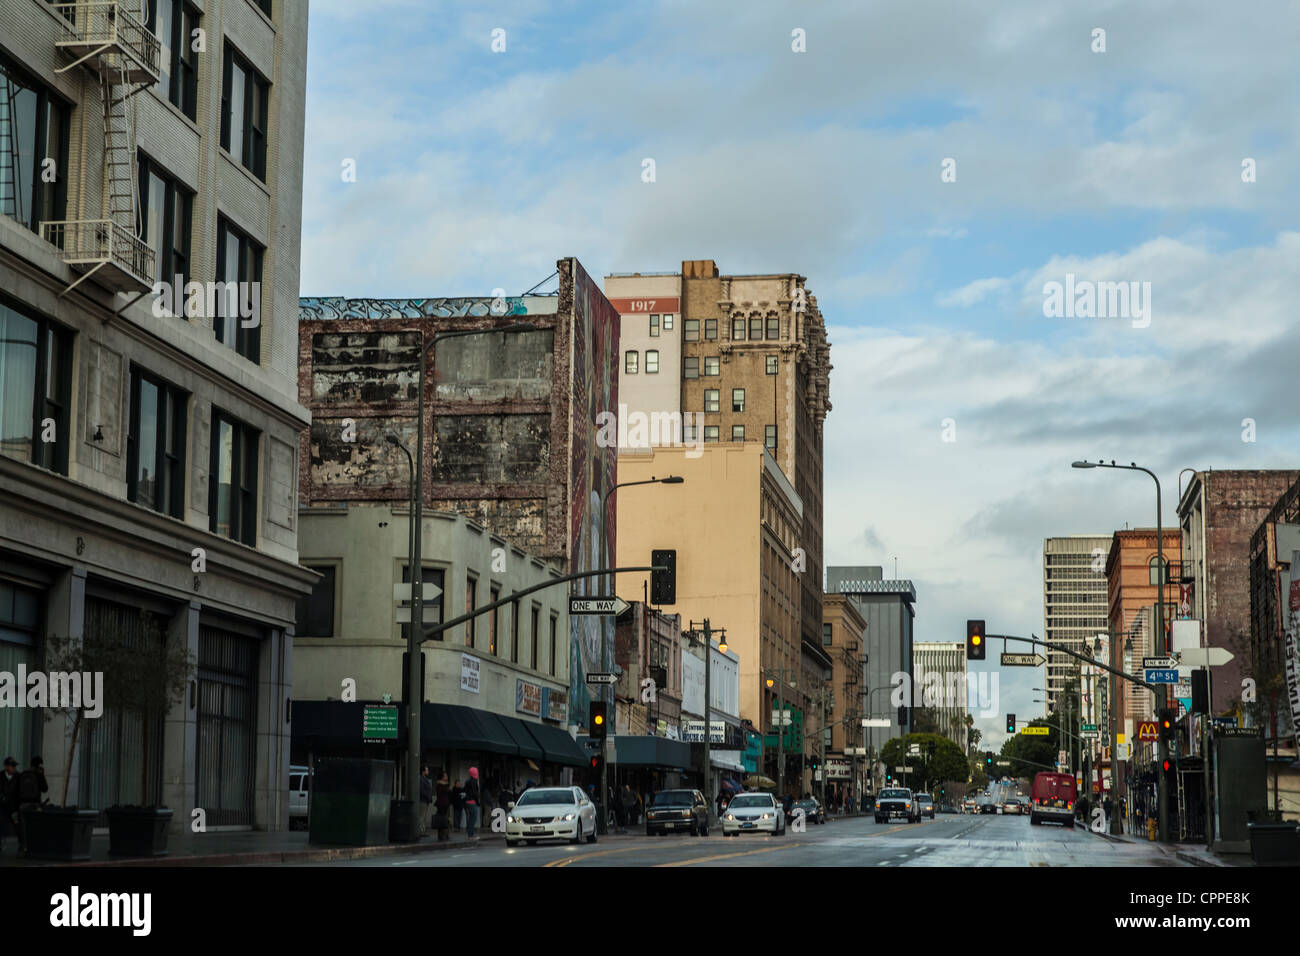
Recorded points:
(727, 856)
(588, 856)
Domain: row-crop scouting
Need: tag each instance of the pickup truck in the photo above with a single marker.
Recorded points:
(897, 802)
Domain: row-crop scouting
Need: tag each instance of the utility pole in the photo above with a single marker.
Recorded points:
(708, 692)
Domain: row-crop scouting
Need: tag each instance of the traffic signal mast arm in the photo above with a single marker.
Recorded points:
(431, 633)
(1065, 650)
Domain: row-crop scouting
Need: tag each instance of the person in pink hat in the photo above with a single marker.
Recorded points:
(471, 803)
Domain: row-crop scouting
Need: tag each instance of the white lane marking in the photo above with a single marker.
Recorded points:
(881, 863)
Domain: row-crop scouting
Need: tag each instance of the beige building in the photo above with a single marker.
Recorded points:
(650, 357)
(1074, 604)
(735, 523)
(134, 152)
(843, 628)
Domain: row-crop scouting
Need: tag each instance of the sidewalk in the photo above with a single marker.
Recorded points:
(1193, 853)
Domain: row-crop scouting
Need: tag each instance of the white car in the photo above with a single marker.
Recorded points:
(551, 813)
(756, 812)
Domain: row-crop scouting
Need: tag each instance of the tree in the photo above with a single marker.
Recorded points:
(141, 672)
(940, 759)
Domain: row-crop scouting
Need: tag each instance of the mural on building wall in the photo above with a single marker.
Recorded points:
(339, 307)
(594, 471)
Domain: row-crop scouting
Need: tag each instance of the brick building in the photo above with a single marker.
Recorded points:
(843, 628)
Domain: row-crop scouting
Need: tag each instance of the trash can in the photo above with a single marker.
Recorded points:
(1274, 844)
(403, 823)
(351, 801)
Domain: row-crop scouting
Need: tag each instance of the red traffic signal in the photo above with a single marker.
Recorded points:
(1166, 766)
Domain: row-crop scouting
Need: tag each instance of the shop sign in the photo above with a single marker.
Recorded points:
(528, 698)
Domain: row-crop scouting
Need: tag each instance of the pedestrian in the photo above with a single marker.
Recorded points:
(9, 802)
(787, 804)
(616, 804)
(426, 797)
(629, 805)
(458, 803)
(848, 804)
(441, 806)
(722, 803)
(471, 803)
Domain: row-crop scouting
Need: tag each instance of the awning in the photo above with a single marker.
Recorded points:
(528, 747)
(637, 751)
(726, 759)
(494, 736)
(454, 727)
(557, 745)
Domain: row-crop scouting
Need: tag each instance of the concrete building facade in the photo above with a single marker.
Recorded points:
(650, 359)
(941, 682)
(149, 441)
(1074, 603)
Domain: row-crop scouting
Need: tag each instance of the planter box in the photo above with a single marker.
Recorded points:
(1275, 844)
(138, 831)
(59, 833)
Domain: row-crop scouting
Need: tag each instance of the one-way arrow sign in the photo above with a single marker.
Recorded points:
(1023, 660)
(1159, 662)
(597, 605)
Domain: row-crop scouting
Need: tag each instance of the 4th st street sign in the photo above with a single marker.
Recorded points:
(597, 605)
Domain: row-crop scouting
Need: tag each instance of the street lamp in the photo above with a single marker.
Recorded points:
(780, 673)
(604, 585)
(1162, 803)
(415, 631)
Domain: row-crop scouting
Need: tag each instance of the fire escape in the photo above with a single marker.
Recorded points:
(112, 43)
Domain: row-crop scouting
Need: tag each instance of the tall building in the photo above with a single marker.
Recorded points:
(149, 433)
(734, 522)
(1219, 511)
(843, 631)
(1074, 603)
(941, 685)
(512, 423)
(888, 608)
(650, 365)
(1132, 578)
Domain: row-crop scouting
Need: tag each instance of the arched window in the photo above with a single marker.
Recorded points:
(1153, 571)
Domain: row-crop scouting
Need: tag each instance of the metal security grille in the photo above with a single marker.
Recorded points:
(121, 750)
(226, 726)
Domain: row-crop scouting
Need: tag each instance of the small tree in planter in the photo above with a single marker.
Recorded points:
(141, 673)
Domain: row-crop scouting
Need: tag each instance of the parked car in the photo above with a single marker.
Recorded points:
(549, 813)
(897, 802)
(753, 812)
(927, 804)
(812, 810)
(674, 810)
(299, 796)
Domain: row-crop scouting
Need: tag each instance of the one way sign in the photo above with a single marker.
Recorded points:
(597, 605)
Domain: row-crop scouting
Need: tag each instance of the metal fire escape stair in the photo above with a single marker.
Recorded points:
(11, 197)
(109, 40)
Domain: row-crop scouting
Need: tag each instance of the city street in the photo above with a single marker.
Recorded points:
(989, 840)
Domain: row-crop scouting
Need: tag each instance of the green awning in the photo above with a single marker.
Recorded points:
(528, 747)
(496, 739)
(558, 746)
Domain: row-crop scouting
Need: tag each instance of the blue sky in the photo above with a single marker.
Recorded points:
(477, 170)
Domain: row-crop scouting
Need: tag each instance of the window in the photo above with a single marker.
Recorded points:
(737, 432)
(554, 631)
(316, 610)
(514, 633)
(239, 261)
(710, 329)
(630, 362)
(33, 129)
(35, 385)
(773, 327)
(232, 480)
(534, 659)
(1153, 571)
(165, 209)
(711, 398)
(711, 366)
(738, 329)
(654, 326)
(471, 602)
(494, 595)
(771, 364)
(652, 362)
(174, 23)
(755, 327)
(264, 6)
(737, 399)
(155, 445)
(691, 366)
(710, 433)
(769, 438)
(826, 635)
(689, 432)
(244, 97)
(692, 330)
(668, 322)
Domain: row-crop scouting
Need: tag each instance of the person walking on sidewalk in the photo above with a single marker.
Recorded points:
(9, 802)
(457, 804)
(471, 803)
(426, 798)
(442, 807)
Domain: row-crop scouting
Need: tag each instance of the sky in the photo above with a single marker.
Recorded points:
(930, 168)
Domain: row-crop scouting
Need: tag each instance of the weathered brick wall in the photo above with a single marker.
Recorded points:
(1235, 503)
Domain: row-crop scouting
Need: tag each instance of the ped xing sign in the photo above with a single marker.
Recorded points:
(1035, 731)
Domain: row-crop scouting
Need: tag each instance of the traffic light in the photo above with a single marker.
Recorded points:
(663, 584)
(1165, 725)
(974, 640)
(988, 759)
(1166, 766)
(596, 722)
(902, 716)
(1011, 723)
(814, 763)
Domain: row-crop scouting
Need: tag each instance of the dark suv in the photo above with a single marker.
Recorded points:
(678, 810)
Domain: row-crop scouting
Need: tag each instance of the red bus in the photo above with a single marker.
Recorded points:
(1053, 799)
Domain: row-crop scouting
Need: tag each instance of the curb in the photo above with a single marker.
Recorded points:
(1197, 860)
